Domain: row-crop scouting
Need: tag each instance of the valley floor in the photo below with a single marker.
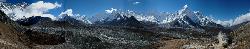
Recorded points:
(103, 37)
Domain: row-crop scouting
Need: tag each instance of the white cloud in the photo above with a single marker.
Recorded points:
(242, 18)
(238, 20)
(49, 15)
(110, 10)
(68, 12)
(135, 3)
(44, 6)
(39, 8)
(225, 23)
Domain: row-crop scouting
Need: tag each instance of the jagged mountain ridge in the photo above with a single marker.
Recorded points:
(46, 21)
(196, 17)
(121, 21)
(238, 25)
(188, 19)
(184, 18)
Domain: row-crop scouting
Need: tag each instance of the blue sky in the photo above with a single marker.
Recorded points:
(219, 9)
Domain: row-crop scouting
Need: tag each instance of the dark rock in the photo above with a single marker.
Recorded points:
(44, 38)
(92, 39)
(5, 19)
(32, 20)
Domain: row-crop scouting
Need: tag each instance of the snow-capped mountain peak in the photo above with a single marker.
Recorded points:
(118, 14)
(188, 18)
(75, 18)
(183, 18)
(68, 14)
(185, 11)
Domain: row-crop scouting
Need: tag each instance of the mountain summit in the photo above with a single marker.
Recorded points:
(121, 20)
(189, 19)
(184, 18)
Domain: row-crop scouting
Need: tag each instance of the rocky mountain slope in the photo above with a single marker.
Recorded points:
(15, 36)
(241, 37)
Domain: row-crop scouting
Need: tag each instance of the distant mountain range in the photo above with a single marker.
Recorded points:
(46, 21)
(121, 20)
(188, 19)
(183, 18)
(121, 30)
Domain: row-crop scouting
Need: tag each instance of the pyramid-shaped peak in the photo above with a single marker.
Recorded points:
(185, 6)
(185, 10)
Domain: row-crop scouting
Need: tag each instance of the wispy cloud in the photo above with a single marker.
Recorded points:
(135, 3)
(110, 10)
(238, 20)
(225, 23)
(242, 18)
(39, 8)
(68, 12)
